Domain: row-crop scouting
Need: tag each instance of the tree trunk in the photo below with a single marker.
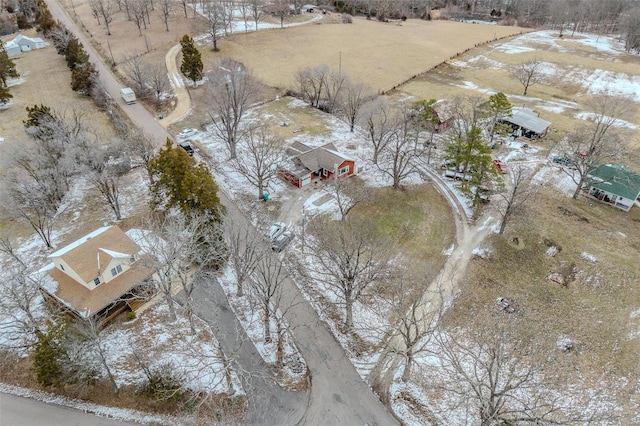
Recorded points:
(348, 320)
(280, 347)
(407, 368)
(266, 325)
(240, 289)
(172, 308)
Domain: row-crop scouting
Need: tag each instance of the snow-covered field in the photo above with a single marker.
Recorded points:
(197, 357)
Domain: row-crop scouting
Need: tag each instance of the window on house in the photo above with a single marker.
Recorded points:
(132, 258)
(96, 281)
(62, 266)
(343, 171)
(115, 271)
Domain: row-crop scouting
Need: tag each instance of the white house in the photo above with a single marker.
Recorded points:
(99, 275)
(12, 49)
(27, 43)
(616, 185)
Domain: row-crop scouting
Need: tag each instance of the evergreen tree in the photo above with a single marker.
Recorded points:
(473, 158)
(83, 78)
(44, 19)
(7, 67)
(4, 95)
(48, 355)
(495, 109)
(75, 54)
(177, 180)
(38, 115)
(192, 66)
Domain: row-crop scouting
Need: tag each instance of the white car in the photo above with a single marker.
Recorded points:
(275, 231)
(281, 241)
(187, 133)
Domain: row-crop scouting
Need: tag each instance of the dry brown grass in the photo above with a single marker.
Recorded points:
(369, 50)
(594, 309)
(49, 85)
(447, 80)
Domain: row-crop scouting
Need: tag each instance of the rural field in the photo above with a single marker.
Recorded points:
(594, 246)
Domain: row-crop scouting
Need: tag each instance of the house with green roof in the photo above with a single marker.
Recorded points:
(616, 185)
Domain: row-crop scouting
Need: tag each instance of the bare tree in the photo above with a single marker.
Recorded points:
(232, 90)
(380, 124)
(312, 84)
(355, 96)
(90, 349)
(215, 15)
(39, 175)
(267, 287)
(260, 154)
(137, 10)
(350, 256)
(246, 247)
(177, 245)
(137, 70)
(400, 155)
(529, 73)
(158, 81)
(245, 11)
(165, 10)
(491, 379)
(106, 9)
(184, 7)
(597, 141)
(20, 300)
(518, 194)
(256, 11)
(334, 88)
(348, 193)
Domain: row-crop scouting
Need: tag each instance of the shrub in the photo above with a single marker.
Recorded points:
(164, 383)
(347, 19)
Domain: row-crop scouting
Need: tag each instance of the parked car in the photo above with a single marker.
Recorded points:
(448, 164)
(186, 145)
(186, 133)
(501, 166)
(281, 241)
(564, 161)
(483, 193)
(275, 231)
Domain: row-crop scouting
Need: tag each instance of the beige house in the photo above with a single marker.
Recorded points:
(99, 276)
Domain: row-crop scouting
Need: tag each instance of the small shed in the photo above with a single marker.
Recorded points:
(526, 122)
(616, 185)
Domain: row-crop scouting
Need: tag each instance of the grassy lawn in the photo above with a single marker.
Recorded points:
(418, 219)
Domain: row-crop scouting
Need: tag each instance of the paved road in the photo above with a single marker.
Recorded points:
(269, 404)
(13, 411)
(136, 112)
(338, 396)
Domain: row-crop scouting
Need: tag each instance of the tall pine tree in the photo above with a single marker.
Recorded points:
(178, 181)
(7, 67)
(192, 66)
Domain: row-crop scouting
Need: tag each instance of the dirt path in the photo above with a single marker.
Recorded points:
(444, 287)
(182, 97)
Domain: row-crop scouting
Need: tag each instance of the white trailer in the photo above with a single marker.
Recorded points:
(128, 95)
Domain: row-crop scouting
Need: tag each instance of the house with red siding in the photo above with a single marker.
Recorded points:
(445, 115)
(307, 163)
